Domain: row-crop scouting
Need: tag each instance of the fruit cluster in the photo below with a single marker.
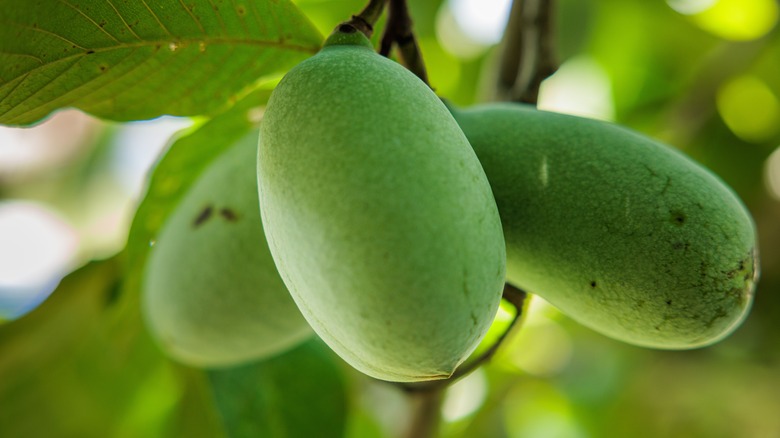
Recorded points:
(394, 220)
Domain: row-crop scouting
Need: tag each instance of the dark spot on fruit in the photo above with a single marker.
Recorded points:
(681, 246)
(228, 214)
(593, 284)
(678, 217)
(668, 302)
(203, 216)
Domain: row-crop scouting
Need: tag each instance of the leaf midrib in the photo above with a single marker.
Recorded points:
(160, 44)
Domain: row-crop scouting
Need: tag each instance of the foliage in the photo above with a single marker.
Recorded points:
(83, 365)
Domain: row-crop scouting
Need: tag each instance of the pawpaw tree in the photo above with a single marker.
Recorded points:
(381, 222)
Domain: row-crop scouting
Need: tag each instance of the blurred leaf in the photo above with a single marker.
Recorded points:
(299, 394)
(83, 365)
(177, 170)
(138, 60)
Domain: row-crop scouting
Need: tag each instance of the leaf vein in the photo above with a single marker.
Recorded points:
(21, 79)
(214, 41)
(46, 32)
(219, 16)
(240, 18)
(162, 26)
(88, 18)
(44, 87)
(90, 82)
(2, 52)
(123, 20)
(139, 96)
(194, 18)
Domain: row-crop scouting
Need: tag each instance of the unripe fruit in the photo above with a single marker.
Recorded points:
(623, 234)
(212, 296)
(378, 214)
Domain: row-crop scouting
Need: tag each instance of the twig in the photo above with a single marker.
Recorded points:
(527, 58)
(426, 414)
(367, 18)
(514, 296)
(399, 32)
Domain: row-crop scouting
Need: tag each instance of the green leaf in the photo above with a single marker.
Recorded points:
(130, 60)
(185, 159)
(81, 364)
(298, 394)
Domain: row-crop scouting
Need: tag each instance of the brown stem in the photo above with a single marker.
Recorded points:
(399, 32)
(426, 413)
(527, 58)
(367, 18)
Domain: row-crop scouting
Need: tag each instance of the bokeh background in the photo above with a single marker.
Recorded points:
(701, 75)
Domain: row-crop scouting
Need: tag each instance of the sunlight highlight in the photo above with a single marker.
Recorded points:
(772, 174)
(739, 20)
(580, 87)
(749, 108)
(37, 248)
(482, 20)
(465, 396)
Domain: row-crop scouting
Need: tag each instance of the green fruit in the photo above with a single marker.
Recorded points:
(623, 234)
(378, 214)
(212, 296)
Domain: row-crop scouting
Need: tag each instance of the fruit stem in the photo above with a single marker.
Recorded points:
(399, 32)
(516, 298)
(367, 18)
(426, 397)
(527, 55)
(426, 413)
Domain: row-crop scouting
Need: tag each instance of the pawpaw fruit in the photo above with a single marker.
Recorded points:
(212, 296)
(620, 232)
(378, 214)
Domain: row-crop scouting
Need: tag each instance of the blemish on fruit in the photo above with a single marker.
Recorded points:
(593, 284)
(228, 214)
(204, 215)
(668, 302)
(678, 218)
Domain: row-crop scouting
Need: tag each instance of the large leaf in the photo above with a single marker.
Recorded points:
(129, 60)
(298, 394)
(82, 365)
(185, 159)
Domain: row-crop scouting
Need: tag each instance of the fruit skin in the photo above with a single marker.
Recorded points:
(378, 214)
(212, 296)
(625, 235)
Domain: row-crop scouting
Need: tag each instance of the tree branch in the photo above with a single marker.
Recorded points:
(426, 414)
(367, 18)
(527, 58)
(514, 296)
(399, 32)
